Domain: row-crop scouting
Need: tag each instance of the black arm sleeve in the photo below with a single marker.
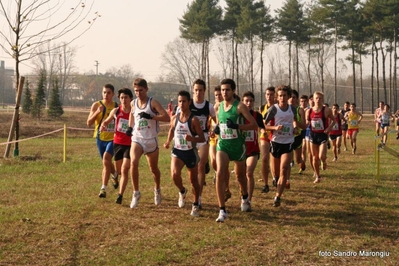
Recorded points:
(259, 120)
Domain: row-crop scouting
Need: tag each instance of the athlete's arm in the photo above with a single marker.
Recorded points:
(244, 111)
(105, 123)
(303, 123)
(331, 119)
(171, 132)
(94, 111)
(196, 127)
(162, 114)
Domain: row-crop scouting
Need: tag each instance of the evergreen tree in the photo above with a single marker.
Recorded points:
(55, 106)
(40, 97)
(27, 104)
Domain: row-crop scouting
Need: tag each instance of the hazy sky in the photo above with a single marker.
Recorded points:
(133, 32)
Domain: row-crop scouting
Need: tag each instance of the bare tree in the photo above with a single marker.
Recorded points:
(31, 24)
(182, 60)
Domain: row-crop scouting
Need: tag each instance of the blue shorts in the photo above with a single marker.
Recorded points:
(190, 157)
(105, 146)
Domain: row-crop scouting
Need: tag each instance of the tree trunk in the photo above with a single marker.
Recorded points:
(309, 75)
(289, 62)
(335, 62)
(262, 46)
(354, 73)
(395, 56)
(252, 64)
(384, 82)
(237, 79)
(297, 66)
(372, 75)
(377, 73)
(361, 81)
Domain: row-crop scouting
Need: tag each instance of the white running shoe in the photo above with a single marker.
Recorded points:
(157, 196)
(245, 205)
(222, 216)
(195, 211)
(182, 199)
(135, 199)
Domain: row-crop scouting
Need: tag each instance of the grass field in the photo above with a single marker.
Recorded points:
(50, 213)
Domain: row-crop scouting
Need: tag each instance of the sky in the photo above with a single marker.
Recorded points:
(133, 32)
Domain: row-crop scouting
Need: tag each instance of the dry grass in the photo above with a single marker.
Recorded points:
(50, 213)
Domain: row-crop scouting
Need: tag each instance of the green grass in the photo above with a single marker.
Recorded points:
(50, 214)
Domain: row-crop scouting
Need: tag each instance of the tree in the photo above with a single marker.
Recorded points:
(52, 22)
(28, 103)
(292, 27)
(182, 61)
(55, 106)
(199, 24)
(40, 97)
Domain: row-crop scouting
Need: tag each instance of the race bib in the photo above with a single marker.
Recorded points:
(317, 124)
(123, 125)
(249, 135)
(203, 120)
(110, 127)
(227, 133)
(286, 130)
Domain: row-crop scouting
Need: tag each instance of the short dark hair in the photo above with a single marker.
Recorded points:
(296, 93)
(109, 86)
(336, 105)
(248, 94)
(184, 93)
(305, 97)
(126, 91)
(140, 82)
(229, 82)
(218, 88)
(200, 82)
(271, 88)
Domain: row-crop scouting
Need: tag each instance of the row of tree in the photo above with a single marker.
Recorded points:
(314, 32)
(37, 104)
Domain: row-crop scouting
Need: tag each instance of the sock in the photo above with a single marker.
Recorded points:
(183, 191)
(104, 187)
(244, 197)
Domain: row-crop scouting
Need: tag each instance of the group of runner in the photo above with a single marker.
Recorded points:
(287, 127)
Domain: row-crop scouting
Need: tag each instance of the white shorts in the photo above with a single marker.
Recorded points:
(148, 145)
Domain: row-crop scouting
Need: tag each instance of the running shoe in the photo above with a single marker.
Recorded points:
(245, 205)
(194, 211)
(265, 189)
(275, 181)
(277, 201)
(157, 196)
(115, 181)
(222, 216)
(227, 195)
(119, 199)
(182, 199)
(102, 194)
(317, 180)
(335, 159)
(135, 199)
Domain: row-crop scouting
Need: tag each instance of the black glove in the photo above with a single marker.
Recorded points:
(129, 131)
(231, 124)
(145, 115)
(216, 130)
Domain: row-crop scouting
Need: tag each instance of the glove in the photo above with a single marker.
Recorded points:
(145, 115)
(216, 130)
(231, 124)
(129, 131)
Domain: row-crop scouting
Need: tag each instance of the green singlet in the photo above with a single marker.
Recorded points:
(231, 141)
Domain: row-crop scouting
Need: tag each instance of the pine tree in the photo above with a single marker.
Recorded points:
(55, 106)
(27, 104)
(40, 97)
